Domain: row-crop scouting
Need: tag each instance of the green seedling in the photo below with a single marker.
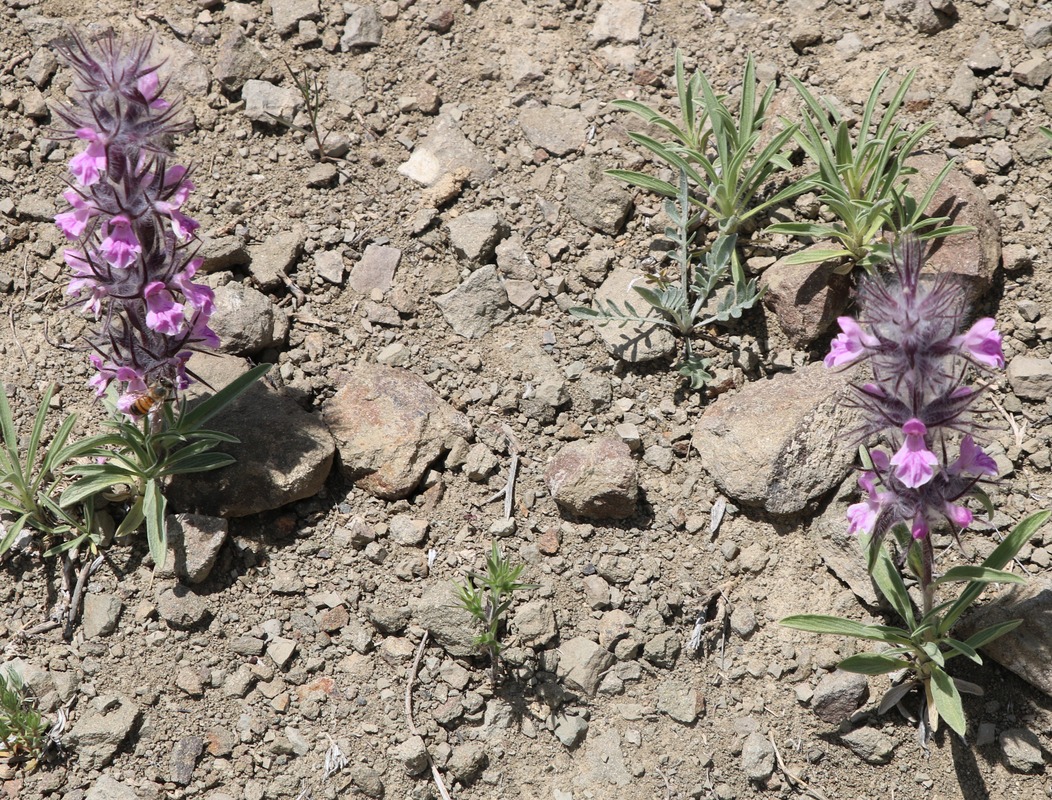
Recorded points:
(683, 303)
(487, 597)
(862, 180)
(23, 731)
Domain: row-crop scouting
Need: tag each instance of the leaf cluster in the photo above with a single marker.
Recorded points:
(488, 596)
(863, 180)
(924, 646)
(23, 731)
(133, 460)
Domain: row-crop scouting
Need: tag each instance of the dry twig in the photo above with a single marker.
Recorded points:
(795, 781)
(409, 716)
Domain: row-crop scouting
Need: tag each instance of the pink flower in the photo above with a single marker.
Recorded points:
(120, 247)
(981, 343)
(201, 298)
(201, 334)
(850, 345)
(972, 460)
(149, 86)
(958, 515)
(182, 225)
(72, 223)
(163, 314)
(87, 166)
(914, 461)
(105, 373)
(919, 530)
(863, 516)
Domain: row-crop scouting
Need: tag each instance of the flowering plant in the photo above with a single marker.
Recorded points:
(133, 261)
(909, 333)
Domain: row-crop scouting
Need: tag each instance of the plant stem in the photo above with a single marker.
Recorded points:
(927, 589)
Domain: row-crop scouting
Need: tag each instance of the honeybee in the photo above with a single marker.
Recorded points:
(156, 394)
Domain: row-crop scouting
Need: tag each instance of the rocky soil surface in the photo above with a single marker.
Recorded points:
(413, 294)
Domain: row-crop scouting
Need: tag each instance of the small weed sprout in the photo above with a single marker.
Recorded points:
(487, 597)
(23, 731)
(863, 182)
(683, 304)
(310, 91)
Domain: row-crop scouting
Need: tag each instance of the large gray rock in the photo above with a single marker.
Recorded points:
(594, 479)
(594, 199)
(1021, 750)
(101, 613)
(194, 541)
(806, 298)
(376, 269)
(870, 745)
(363, 29)
(780, 443)
(246, 321)
(634, 342)
(560, 131)
(274, 257)
(972, 257)
(444, 151)
(239, 60)
(101, 730)
(452, 627)
(390, 427)
(838, 695)
(757, 757)
(107, 788)
(475, 235)
(840, 550)
(1025, 650)
(1030, 377)
(284, 453)
(477, 305)
(922, 14)
(289, 13)
(264, 101)
(582, 664)
(618, 20)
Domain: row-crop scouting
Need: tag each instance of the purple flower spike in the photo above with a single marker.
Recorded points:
(909, 333)
(134, 260)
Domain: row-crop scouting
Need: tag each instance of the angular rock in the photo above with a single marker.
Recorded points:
(288, 14)
(921, 14)
(270, 471)
(181, 608)
(1025, 650)
(474, 235)
(107, 788)
(663, 650)
(376, 269)
(779, 444)
(619, 21)
(184, 758)
(1021, 750)
(962, 90)
(534, 624)
(1030, 377)
(560, 131)
(870, 745)
(582, 664)
(444, 151)
(222, 253)
(239, 60)
(274, 256)
(1033, 72)
(408, 531)
(757, 757)
(840, 550)
(595, 199)
(1036, 33)
(264, 101)
(680, 701)
(346, 86)
(513, 261)
(246, 321)
(450, 625)
(634, 342)
(477, 305)
(412, 754)
(838, 695)
(101, 612)
(570, 730)
(194, 541)
(983, 56)
(367, 781)
(363, 29)
(806, 298)
(594, 479)
(391, 426)
(467, 762)
(974, 256)
(101, 730)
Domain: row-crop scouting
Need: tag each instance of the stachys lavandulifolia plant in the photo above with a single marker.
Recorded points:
(133, 262)
(910, 330)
